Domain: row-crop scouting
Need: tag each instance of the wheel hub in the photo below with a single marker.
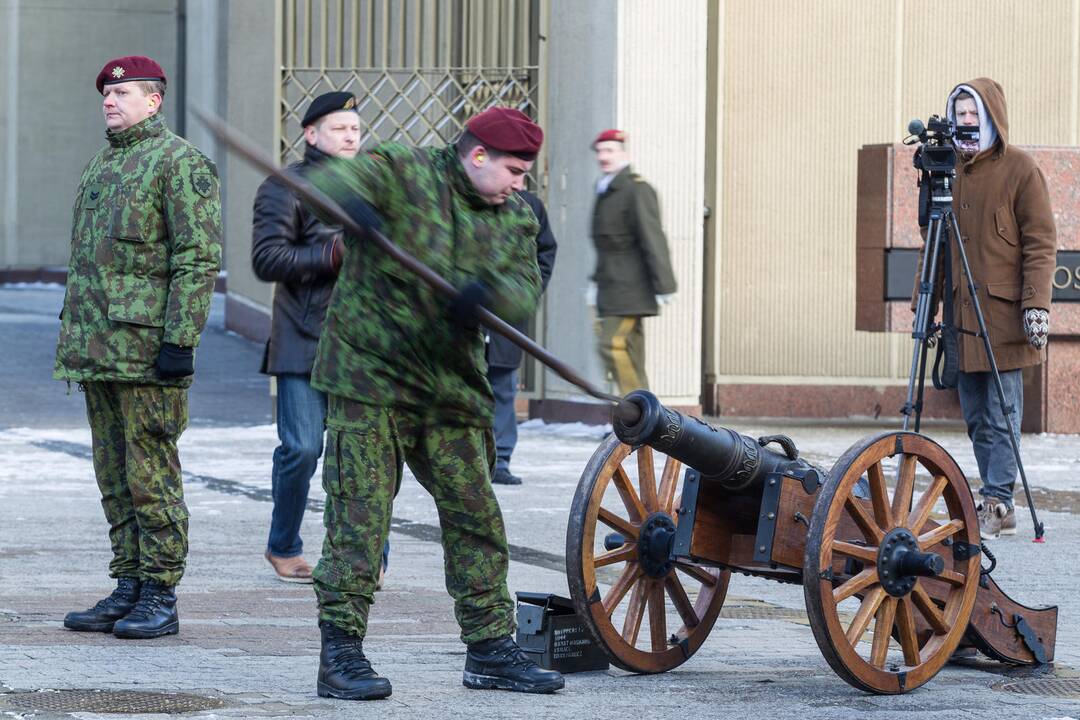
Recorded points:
(654, 544)
(900, 562)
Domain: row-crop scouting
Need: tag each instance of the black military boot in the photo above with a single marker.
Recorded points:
(344, 672)
(154, 614)
(101, 617)
(501, 665)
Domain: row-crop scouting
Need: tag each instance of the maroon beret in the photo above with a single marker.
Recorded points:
(507, 130)
(128, 68)
(611, 135)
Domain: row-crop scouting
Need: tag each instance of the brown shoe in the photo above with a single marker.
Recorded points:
(1008, 523)
(991, 512)
(294, 569)
(382, 576)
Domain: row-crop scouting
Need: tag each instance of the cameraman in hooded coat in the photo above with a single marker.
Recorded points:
(1002, 208)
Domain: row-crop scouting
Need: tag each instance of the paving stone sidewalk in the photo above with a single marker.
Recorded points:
(249, 642)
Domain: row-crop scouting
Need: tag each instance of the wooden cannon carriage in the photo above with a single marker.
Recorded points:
(885, 544)
(904, 554)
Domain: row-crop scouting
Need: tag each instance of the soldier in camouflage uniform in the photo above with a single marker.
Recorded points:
(406, 381)
(145, 251)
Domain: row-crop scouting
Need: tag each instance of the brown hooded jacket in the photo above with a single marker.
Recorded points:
(1003, 210)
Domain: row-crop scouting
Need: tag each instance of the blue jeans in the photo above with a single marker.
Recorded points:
(301, 421)
(504, 385)
(987, 430)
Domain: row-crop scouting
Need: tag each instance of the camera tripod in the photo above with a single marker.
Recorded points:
(942, 229)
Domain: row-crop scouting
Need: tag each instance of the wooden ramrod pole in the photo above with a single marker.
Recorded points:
(237, 143)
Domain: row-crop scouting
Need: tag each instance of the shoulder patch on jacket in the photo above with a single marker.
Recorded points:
(203, 182)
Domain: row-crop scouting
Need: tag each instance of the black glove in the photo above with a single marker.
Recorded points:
(362, 213)
(354, 206)
(174, 361)
(463, 308)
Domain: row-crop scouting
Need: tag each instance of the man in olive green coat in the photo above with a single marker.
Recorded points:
(405, 376)
(633, 274)
(145, 251)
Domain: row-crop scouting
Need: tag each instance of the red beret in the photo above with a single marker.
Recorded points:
(611, 135)
(507, 130)
(128, 68)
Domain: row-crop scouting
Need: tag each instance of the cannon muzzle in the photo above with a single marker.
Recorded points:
(735, 462)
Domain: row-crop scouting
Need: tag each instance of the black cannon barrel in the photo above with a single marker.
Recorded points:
(736, 462)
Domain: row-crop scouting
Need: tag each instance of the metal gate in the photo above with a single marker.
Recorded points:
(419, 68)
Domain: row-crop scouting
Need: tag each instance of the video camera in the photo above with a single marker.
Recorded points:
(937, 154)
(936, 158)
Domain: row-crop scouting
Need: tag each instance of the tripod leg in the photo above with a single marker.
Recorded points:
(921, 386)
(1005, 409)
(924, 317)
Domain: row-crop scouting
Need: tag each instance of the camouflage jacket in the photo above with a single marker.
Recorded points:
(388, 339)
(145, 251)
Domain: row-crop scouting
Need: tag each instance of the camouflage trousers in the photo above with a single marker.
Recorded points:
(135, 429)
(366, 447)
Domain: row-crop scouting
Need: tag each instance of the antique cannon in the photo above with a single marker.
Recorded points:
(912, 566)
(885, 544)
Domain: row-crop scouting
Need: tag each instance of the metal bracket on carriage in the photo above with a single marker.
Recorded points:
(1030, 638)
(963, 550)
(810, 478)
(687, 512)
(1025, 632)
(766, 527)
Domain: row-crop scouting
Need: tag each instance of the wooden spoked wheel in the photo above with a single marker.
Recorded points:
(875, 557)
(649, 613)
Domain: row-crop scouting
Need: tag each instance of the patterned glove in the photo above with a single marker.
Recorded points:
(1037, 327)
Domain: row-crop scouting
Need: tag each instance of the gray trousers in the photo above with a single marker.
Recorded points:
(504, 385)
(987, 430)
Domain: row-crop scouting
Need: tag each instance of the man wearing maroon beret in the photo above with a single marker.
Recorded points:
(405, 378)
(145, 250)
(633, 275)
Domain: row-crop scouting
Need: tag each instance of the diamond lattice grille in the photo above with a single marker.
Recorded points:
(411, 106)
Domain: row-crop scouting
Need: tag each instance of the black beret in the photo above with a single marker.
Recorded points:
(328, 103)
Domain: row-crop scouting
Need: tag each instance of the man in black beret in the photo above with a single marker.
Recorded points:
(327, 104)
(302, 255)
